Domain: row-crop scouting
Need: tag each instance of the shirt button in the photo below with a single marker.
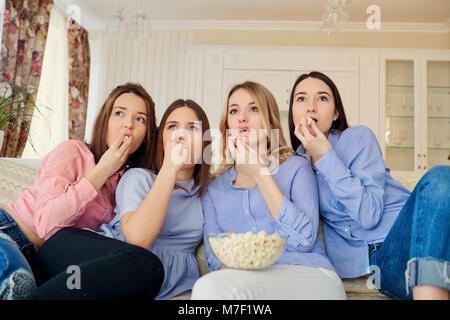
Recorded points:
(246, 210)
(346, 229)
(317, 172)
(304, 242)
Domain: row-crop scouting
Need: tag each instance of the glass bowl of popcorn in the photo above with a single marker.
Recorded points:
(251, 251)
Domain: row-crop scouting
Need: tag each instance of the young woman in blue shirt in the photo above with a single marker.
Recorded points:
(372, 224)
(276, 193)
(162, 212)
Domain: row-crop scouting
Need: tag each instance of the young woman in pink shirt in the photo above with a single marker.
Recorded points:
(75, 187)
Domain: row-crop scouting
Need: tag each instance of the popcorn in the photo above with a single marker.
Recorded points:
(308, 121)
(247, 250)
(126, 138)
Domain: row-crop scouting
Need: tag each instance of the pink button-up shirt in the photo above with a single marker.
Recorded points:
(61, 195)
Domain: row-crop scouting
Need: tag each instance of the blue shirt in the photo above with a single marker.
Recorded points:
(227, 207)
(180, 234)
(359, 199)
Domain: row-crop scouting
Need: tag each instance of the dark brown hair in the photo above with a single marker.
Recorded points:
(340, 124)
(202, 171)
(144, 156)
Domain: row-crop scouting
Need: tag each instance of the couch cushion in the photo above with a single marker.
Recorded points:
(15, 178)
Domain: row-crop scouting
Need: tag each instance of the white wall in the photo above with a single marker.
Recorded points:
(157, 64)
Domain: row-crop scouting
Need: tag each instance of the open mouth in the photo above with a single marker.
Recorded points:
(307, 121)
(310, 120)
(244, 131)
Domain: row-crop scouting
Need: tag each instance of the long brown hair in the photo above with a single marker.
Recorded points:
(339, 125)
(202, 171)
(270, 116)
(144, 156)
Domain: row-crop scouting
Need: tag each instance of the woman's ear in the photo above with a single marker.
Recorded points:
(336, 115)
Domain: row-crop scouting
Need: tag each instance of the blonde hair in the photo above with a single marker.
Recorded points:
(270, 116)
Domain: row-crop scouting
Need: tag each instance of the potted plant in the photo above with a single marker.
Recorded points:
(12, 106)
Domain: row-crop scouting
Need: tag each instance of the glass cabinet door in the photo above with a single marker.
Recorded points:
(438, 113)
(399, 115)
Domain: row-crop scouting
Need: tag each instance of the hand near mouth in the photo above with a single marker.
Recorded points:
(176, 153)
(315, 142)
(246, 158)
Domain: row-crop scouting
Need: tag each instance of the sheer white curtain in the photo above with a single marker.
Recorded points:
(97, 93)
(50, 127)
(2, 12)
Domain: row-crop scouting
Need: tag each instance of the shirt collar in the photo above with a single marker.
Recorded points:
(189, 185)
(231, 176)
(114, 178)
(302, 152)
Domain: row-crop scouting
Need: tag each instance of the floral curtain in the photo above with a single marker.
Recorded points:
(25, 28)
(79, 64)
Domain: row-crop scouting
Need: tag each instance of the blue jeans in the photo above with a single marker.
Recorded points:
(417, 249)
(15, 251)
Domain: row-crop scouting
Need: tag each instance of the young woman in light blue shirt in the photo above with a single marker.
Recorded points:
(277, 193)
(372, 224)
(162, 212)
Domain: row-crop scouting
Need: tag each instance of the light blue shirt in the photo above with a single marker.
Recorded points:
(180, 234)
(227, 207)
(359, 199)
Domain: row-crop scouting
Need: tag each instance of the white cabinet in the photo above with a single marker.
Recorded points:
(402, 95)
(278, 82)
(436, 106)
(416, 111)
(275, 68)
(400, 110)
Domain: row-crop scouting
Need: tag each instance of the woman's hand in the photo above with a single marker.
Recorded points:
(315, 142)
(116, 155)
(110, 162)
(176, 153)
(246, 158)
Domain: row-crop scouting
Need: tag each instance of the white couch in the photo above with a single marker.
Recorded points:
(16, 176)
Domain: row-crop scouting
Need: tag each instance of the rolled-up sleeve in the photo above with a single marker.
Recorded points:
(299, 211)
(62, 194)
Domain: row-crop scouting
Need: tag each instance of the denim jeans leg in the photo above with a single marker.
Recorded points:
(430, 248)
(391, 258)
(16, 275)
(416, 250)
